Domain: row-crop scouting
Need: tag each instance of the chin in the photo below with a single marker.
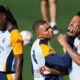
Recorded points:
(51, 37)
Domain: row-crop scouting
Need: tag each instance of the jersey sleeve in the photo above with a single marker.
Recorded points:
(52, 58)
(16, 42)
(79, 47)
(71, 40)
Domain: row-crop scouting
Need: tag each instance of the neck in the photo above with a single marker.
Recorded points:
(79, 36)
(44, 39)
(9, 25)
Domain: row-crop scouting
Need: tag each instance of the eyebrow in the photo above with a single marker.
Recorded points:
(77, 21)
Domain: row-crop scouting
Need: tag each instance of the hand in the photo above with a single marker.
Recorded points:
(45, 70)
(74, 27)
(62, 40)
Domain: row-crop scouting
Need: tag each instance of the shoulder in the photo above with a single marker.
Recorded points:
(35, 44)
(15, 35)
(46, 50)
(15, 32)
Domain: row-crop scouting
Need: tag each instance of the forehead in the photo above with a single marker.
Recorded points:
(76, 18)
(44, 26)
(0, 13)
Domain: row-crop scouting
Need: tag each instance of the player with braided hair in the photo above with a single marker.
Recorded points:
(11, 47)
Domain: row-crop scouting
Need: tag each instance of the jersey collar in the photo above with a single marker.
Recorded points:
(79, 38)
(12, 29)
(43, 42)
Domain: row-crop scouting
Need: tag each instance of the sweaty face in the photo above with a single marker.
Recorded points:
(45, 32)
(74, 27)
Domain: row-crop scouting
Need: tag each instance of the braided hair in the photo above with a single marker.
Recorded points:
(9, 16)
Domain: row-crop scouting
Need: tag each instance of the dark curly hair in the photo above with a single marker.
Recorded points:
(78, 13)
(9, 16)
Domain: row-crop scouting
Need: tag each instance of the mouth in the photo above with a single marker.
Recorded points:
(68, 30)
(51, 34)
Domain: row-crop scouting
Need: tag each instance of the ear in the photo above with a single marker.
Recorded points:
(38, 34)
(3, 16)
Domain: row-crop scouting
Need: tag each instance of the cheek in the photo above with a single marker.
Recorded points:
(45, 35)
(42, 34)
(2, 21)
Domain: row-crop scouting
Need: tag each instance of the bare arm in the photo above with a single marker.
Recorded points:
(73, 54)
(19, 63)
(60, 71)
(46, 71)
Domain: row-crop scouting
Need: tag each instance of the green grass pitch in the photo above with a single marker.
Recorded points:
(27, 12)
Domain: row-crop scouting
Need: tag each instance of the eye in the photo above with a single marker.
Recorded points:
(49, 26)
(68, 30)
(47, 29)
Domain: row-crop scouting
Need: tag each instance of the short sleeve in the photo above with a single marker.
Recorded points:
(16, 42)
(79, 47)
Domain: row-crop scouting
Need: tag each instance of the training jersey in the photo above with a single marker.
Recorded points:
(11, 44)
(75, 69)
(43, 54)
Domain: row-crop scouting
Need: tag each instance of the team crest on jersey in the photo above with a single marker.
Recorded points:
(50, 50)
(3, 40)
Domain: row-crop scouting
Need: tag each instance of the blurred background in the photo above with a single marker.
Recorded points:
(27, 12)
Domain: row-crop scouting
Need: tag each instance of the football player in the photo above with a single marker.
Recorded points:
(43, 54)
(11, 47)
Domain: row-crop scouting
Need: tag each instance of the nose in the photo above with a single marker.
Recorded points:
(71, 24)
(50, 30)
